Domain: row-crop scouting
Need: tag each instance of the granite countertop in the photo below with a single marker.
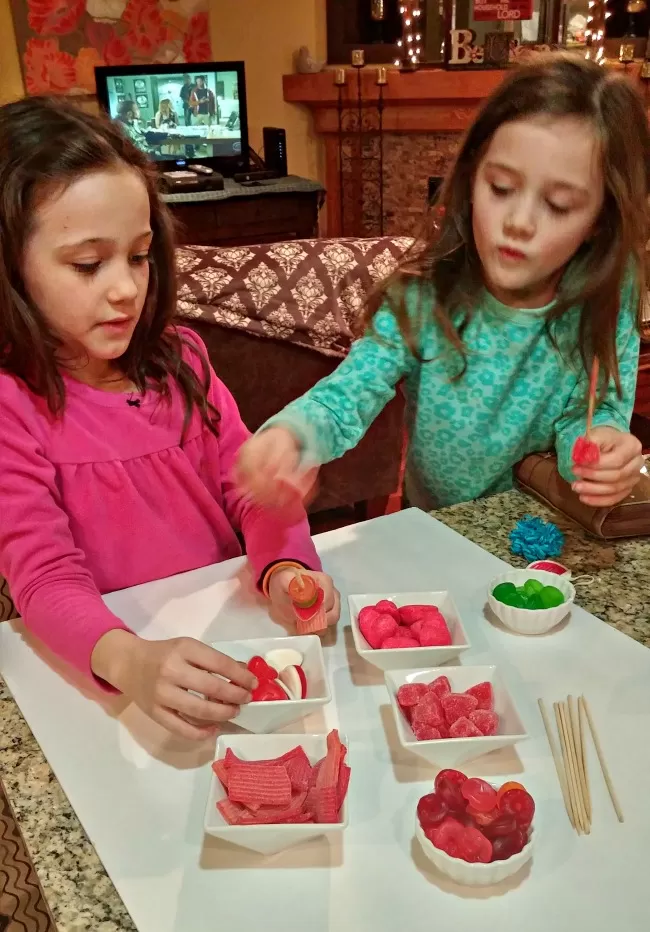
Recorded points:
(79, 892)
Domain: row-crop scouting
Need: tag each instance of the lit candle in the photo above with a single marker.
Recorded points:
(358, 58)
(340, 77)
(382, 75)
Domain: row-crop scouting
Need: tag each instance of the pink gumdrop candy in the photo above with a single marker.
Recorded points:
(386, 607)
(376, 628)
(434, 632)
(399, 640)
(585, 452)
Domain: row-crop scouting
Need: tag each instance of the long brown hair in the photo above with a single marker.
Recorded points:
(46, 144)
(446, 258)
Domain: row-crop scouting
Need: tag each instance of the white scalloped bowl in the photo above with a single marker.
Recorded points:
(532, 621)
(474, 875)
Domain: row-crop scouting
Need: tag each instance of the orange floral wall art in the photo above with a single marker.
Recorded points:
(61, 41)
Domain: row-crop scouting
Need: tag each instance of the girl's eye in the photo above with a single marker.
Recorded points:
(500, 191)
(140, 259)
(86, 268)
(557, 209)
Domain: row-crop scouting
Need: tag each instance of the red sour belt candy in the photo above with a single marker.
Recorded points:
(312, 619)
(585, 452)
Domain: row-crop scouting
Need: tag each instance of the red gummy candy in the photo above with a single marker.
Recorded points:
(497, 828)
(449, 776)
(261, 669)
(458, 705)
(369, 613)
(585, 452)
(268, 691)
(463, 728)
(475, 847)
(479, 794)
(428, 711)
(431, 810)
(520, 804)
(440, 686)
(484, 695)
(448, 787)
(415, 629)
(483, 819)
(398, 641)
(425, 732)
(410, 614)
(486, 722)
(434, 632)
(448, 836)
(386, 607)
(506, 846)
(376, 629)
(410, 694)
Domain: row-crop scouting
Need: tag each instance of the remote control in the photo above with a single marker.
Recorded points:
(202, 169)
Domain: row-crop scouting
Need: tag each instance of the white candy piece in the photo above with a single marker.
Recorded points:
(286, 689)
(290, 678)
(283, 657)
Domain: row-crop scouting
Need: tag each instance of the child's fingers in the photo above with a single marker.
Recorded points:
(334, 613)
(212, 687)
(629, 471)
(597, 492)
(201, 710)
(213, 661)
(173, 722)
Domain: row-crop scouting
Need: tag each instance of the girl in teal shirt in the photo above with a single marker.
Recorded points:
(534, 267)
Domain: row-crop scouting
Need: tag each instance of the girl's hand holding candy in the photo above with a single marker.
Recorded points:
(283, 604)
(269, 469)
(612, 479)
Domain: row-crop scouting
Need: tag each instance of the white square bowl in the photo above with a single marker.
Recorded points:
(267, 839)
(451, 752)
(264, 717)
(413, 657)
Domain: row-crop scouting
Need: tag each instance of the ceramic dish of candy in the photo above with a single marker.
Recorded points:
(531, 601)
(291, 676)
(269, 792)
(473, 832)
(452, 715)
(409, 629)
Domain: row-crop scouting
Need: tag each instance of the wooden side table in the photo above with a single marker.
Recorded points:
(240, 215)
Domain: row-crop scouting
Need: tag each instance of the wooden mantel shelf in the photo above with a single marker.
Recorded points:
(428, 100)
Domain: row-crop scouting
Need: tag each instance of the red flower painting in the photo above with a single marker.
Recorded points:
(54, 17)
(47, 68)
(116, 52)
(196, 45)
(147, 30)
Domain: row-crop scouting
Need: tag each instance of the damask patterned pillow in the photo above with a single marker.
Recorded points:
(308, 292)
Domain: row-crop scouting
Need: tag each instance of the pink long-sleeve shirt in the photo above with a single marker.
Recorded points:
(105, 497)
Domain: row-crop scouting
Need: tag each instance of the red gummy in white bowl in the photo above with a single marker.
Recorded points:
(408, 629)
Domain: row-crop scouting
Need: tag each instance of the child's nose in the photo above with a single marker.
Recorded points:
(124, 287)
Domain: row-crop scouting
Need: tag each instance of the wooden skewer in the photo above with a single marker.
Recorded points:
(593, 385)
(603, 765)
(575, 755)
(585, 770)
(567, 769)
(571, 767)
(559, 767)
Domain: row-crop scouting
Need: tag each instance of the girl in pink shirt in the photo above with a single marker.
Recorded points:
(117, 440)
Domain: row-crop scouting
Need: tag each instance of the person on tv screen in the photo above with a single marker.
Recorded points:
(129, 116)
(166, 117)
(187, 89)
(203, 103)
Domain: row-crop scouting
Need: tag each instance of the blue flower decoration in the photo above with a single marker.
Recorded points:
(534, 539)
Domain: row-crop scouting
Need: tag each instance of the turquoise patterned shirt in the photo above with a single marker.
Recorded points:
(518, 395)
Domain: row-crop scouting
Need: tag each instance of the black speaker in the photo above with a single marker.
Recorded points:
(275, 150)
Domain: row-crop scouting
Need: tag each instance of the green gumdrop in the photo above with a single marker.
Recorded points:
(535, 601)
(504, 591)
(533, 586)
(520, 601)
(551, 597)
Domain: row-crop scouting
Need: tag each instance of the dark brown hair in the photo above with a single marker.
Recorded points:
(46, 144)
(446, 258)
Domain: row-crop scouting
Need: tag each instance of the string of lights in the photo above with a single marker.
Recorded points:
(410, 45)
(595, 30)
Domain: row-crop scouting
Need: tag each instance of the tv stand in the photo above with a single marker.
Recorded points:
(242, 215)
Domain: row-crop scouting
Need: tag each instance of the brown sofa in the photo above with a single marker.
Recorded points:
(277, 318)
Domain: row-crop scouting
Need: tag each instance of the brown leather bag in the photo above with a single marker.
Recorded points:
(537, 474)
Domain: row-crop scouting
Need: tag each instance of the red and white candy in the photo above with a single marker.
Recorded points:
(280, 676)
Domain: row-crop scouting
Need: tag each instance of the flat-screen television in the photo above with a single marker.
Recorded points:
(179, 114)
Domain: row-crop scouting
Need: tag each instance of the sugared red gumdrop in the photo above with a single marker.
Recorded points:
(475, 847)
(440, 686)
(386, 607)
(479, 794)
(434, 633)
(486, 722)
(520, 805)
(377, 629)
(458, 705)
(398, 641)
(431, 810)
(426, 732)
(428, 711)
(463, 728)
(585, 452)
(505, 846)
(484, 695)
(410, 694)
